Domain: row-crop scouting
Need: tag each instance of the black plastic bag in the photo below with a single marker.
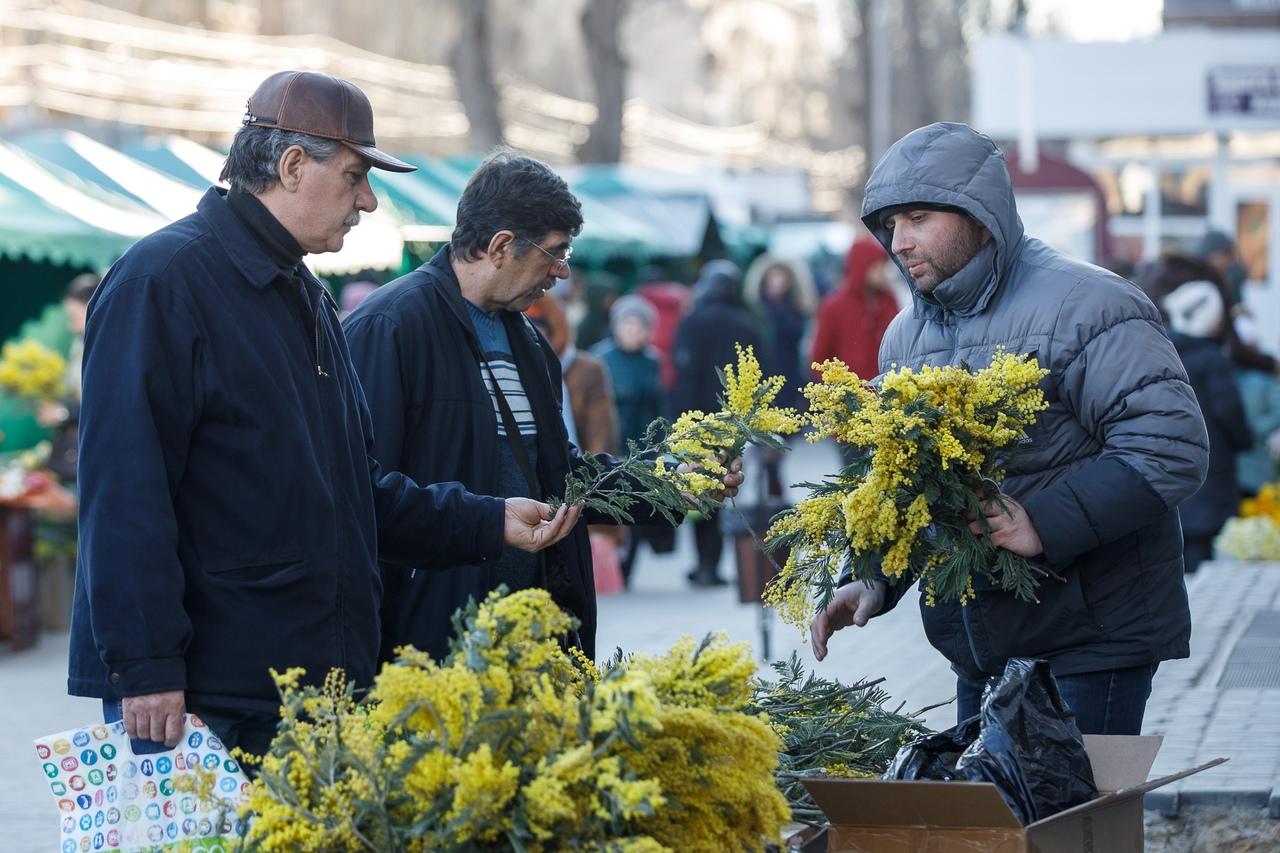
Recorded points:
(933, 757)
(1024, 741)
(1028, 745)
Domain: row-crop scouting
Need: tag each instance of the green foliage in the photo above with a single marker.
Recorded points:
(829, 728)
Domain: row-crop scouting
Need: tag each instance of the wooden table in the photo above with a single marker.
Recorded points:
(19, 580)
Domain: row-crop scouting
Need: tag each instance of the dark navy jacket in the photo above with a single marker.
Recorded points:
(412, 343)
(1212, 376)
(231, 516)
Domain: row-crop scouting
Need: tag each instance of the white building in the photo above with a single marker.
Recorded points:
(1182, 131)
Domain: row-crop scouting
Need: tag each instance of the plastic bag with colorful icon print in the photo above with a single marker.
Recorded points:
(110, 799)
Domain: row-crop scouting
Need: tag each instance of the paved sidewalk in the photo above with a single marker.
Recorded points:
(1201, 719)
(34, 703)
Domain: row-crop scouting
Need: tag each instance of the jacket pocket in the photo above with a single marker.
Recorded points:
(263, 611)
(263, 570)
(1061, 621)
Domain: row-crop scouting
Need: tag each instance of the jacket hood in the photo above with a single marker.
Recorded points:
(862, 256)
(950, 164)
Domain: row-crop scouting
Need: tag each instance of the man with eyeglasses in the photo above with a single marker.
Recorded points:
(463, 388)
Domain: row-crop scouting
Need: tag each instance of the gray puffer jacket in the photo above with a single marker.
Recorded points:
(1120, 446)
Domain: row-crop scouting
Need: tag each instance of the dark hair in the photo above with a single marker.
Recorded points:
(81, 287)
(253, 162)
(1172, 271)
(516, 193)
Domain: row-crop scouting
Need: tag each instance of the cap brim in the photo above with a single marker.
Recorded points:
(379, 159)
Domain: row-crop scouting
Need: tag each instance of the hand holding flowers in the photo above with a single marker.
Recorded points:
(927, 446)
(696, 462)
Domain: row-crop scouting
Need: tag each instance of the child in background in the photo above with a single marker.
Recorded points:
(637, 389)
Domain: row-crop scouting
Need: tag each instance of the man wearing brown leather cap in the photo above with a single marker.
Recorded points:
(231, 517)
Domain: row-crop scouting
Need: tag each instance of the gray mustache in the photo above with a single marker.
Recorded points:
(353, 220)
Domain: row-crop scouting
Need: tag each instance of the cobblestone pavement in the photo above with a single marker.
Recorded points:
(34, 702)
(1199, 720)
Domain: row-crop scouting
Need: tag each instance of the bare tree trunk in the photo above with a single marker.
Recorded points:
(601, 24)
(271, 17)
(473, 72)
(916, 72)
(853, 92)
(952, 74)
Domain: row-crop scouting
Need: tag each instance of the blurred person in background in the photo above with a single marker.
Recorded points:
(601, 289)
(783, 295)
(637, 388)
(353, 293)
(63, 417)
(588, 388)
(705, 341)
(1219, 251)
(1195, 313)
(852, 320)
(633, 366)
(1260, 395)
(671, 300)
(1216, 252)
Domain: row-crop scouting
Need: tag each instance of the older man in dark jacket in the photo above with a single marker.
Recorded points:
(1094, 491)
(230, 513)
(463, 387)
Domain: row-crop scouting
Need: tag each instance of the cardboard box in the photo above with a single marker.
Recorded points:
(874, 816)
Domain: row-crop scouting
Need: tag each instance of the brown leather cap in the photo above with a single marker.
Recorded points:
(320, 105)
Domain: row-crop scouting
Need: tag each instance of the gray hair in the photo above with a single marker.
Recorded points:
(253, 162)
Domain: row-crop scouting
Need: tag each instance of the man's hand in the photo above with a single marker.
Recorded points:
(530, 525)
(853, 604)
(155, 716)
(1011, 527)
(731, 481)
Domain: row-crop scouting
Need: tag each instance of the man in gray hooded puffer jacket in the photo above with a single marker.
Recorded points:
(1093, 491)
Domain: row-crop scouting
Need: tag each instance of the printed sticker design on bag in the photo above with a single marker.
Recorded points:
(110, 799)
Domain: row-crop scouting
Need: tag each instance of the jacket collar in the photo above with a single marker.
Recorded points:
(441, 267)
(968, 291)
(246, 253)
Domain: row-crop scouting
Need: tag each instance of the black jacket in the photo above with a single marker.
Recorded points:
(1212, 377)
(412, 343)
(230, 513)
(706, 336)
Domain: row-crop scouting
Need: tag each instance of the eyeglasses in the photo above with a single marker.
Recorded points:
(560, 264)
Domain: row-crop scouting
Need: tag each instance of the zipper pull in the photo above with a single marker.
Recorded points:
(319, 370)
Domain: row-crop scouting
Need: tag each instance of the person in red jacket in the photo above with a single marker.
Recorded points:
(852, 320)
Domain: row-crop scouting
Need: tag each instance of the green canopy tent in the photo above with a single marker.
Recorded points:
(112, 171)
(376, 244)
(606, 234)
(52, 228)
(684, 218)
